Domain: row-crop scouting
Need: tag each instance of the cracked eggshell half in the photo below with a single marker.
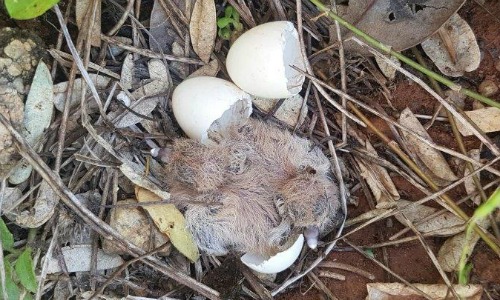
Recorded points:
(197, 102)
(260, 61)
(276, 263)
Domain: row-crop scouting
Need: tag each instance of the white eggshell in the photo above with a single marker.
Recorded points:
(260, 61)
(276, 263)
(197, 102)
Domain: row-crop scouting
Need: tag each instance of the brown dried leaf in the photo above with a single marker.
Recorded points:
(443, 225)
(463, 42)
(171, 222)
(396, 291)
(378, 180)
(211, 69)
(449, 254)
(485, 118)
(82, 7)
(203, 28)
(41, 211)
(390, 21)
(423, 154)
(470, 187)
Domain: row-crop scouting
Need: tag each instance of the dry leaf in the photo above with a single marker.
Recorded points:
(423, 154)
(78, 259)
(378, 180)
(171, 222)
(292, 111)
(470, 187)
(211, 69)
(388, 70)
(83, 11)
(390, 21)
(462, 40)
(136, 174)
(203, 28)
(397, 291)
(450, 252)
(38, 111)
(146, 97)
(134, 225)
(443, 225)
(100, 82)
(486, 119)
(365, 216)
(127, 74)
(41, 211)
(11, 199)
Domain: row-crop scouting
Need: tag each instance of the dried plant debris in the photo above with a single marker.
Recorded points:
(171, 222)
(211, 69)
(388, 70)
(421, 216)
(395, 291)
(203, 28)
(390, 21)
(38, 111)
(11, 107)
(87, 11)
(40, 212)
(424, 155)
(450, 252)
(485, 118)
(470, 186)
(454, 48)
(78, 258)
(378, 179)
(292, 111)
(61, 90)
(135, 226)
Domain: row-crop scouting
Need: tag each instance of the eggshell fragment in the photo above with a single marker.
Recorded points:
(276, 263)
(197, 102)
(260, 61)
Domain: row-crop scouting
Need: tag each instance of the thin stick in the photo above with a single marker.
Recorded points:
(388, 50)
(2, 266)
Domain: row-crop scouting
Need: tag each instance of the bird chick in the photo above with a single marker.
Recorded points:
(254, 189)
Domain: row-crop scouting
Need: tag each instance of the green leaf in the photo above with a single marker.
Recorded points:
(7, 237)
(229, 11)
(25, 272)
(225, 33)
(11, 287)
(463, 274)
(224, 22)
(28, 9)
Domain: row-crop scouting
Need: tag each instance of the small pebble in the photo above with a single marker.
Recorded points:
(497, 65)
(488, 88)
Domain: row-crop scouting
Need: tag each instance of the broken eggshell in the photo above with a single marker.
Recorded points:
(197, 102)
(260, 61)
(276, 263)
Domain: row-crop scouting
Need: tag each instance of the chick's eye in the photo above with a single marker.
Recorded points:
(310, 170)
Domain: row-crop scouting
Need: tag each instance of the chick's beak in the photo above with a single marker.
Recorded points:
(311, 233)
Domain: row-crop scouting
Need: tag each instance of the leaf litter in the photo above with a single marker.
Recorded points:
(144, 88)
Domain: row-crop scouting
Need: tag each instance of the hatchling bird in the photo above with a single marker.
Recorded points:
(253, 189)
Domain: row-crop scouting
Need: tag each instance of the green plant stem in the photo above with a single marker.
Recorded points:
(388, 50)
(459, 140)
(453, 206)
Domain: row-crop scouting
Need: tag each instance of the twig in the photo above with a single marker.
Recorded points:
(70, 200)
(2, 266)
(321, 286)
(388, 50)
(359, 250)
(342, 266)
